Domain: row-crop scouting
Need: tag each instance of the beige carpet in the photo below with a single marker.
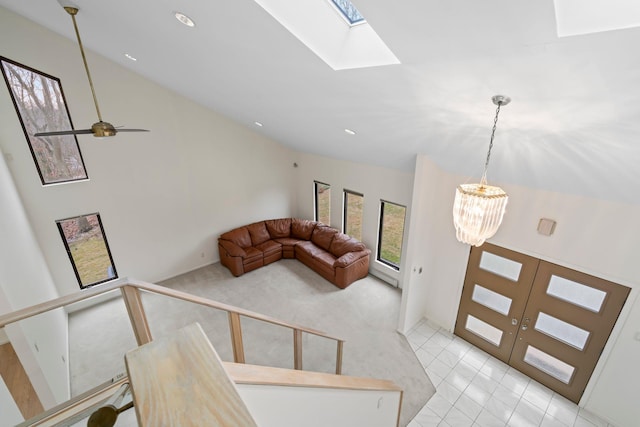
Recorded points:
(365, 315)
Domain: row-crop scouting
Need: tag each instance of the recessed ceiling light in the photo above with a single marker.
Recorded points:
(184, 19)
(350, 132)
(258, 124)
(130, 57)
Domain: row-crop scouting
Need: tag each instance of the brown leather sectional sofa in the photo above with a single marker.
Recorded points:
(335, 256)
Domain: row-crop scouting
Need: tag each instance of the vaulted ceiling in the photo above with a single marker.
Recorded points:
(573, 125)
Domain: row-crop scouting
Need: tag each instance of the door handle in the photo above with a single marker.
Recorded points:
(514, 321)
(525, 324)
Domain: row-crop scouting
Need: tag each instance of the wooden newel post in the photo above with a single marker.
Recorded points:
(236, 337)
(138, 318)
(297, 349)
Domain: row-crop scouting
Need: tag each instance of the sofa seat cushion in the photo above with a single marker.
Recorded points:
(269, 247)
(325, 259)
(278, 228)
(240, 236)
(288, 241)
(302, 228)
(309, 249)
(342, 244)
(252, 255)
(258, 232)
(322, 236)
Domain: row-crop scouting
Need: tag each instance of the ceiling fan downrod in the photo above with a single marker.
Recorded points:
(73, 11)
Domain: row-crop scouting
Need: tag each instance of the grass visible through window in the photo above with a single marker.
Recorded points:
(87, 248)
(353, 214)
(391, 231)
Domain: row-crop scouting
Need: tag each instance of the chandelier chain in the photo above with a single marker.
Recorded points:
(483, 181)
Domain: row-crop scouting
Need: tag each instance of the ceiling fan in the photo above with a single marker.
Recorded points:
(100, 128)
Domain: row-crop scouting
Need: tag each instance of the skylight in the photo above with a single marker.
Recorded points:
(575, 17)
(319, 24)
(349, 11)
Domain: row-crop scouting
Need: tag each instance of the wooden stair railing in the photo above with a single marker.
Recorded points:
(131, 294)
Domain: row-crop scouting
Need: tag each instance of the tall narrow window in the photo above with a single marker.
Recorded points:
(41, 106)
(322, 202)
(352, 219)
(86, 244)
(390, 233)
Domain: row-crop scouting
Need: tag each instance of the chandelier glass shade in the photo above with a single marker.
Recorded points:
(478, 209)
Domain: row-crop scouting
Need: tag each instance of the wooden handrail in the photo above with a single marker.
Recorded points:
(266, 375)
(130, 290)
(60, 302)
(81, 404)
(156, 289)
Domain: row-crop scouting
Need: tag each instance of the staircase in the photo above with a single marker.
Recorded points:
(180, 379)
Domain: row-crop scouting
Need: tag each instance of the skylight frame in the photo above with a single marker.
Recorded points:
(348, 12)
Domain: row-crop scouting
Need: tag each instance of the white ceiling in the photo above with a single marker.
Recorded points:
(573, 125)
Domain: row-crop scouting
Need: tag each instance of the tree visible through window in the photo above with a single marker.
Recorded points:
(88, 250)
(41, 107)
(353, 204)
(322, 202)
(390, 234)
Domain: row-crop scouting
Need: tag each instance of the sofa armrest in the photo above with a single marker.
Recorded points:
(350, 258)
(231, 248)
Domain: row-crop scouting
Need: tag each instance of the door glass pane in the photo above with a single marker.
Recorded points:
(576, 293)
(501, 266)
(549, 364)
(491, 299)
(562, 331)
(484, 330)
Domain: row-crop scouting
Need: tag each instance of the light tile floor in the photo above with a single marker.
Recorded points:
(474, 389)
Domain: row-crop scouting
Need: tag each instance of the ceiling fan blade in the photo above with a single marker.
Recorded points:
(64, 132)
(101, 128)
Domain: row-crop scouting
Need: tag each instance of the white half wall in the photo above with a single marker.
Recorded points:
(11, 415)
(275, 406)
(593, 236)
(376, 183)
(41, 343)
(164, 196)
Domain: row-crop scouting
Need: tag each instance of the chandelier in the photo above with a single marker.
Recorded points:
(478, 208)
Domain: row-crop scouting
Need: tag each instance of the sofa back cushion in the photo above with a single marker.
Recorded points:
(279, 228)
(240, 236)
(322, 236)
(342, 243)
(302, 228)
(258, 232)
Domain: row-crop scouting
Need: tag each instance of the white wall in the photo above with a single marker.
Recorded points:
(374, 182)
(319, 407)
(432, 243)
(164, 196)
(11, 415)
(41, 343)
(593, 236)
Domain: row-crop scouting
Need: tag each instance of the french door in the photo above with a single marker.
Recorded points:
(547, 321)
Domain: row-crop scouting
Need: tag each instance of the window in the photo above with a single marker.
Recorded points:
(88, 250)
(349, 11)
(352, 219)
(40, 104)
(323, 202)
(390, 234)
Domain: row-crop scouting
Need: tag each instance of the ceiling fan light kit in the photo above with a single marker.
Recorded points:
(478, 209)
(100, 128)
